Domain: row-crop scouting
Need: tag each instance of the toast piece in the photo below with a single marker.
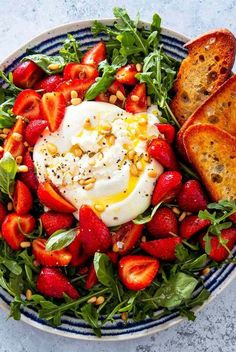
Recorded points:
(208, 64)
(212, 152)
(219, 110)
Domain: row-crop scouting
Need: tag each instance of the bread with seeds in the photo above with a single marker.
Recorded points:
(208, 64)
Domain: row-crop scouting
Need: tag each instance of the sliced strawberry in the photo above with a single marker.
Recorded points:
(95, 235)
(80, 86)
(91, 279)
(52, 283)
(140, 103)
(53, 107)
(14, 227)
(15, 145)
(113, 256)
(126, 237)
(115, 86)
(34, 130)
(104, 97)
(168, 131)
(29, 178)
(48, 84)
(26, 74)
(233, 218)
(167, 187)
(52, 199)
(50, 258)
(160, 150)
(22, 198)
(126, 74)
(192, 197)
(79, 257)
(163, 223)
(137, 272)
(95, 55)
(163, 248)
(53, 221)
(27, 104)
(74, 70)
(3, 213)
(218, 252)
(191, 225)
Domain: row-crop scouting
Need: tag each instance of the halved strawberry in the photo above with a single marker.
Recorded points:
(80, 86)
(167, 130)
(191, 225)
(95, 235)
(104, 97)
(79, 257)
(126, 237)
(115, 86)
(3, 213)
(34, 130)
(95, 55)
(27, 104)
(14, 227)
(113, 256)
(26, 74)
(163, 223)
(15, 145)
(91, 279)
(167, 187)
(161, 151)
(52, 199)
(192, 197)
(163, 248)
(126, 74)
(52, 283)
(22, 198)
(61, 257)
(53, 221)
(29, 177)
(75, 70)
(139, 104)
(49, 83)
(53, 107)
(137, 272)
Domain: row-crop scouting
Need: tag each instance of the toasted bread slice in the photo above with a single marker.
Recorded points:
(212, 152)
(219, 110)
(208, 64)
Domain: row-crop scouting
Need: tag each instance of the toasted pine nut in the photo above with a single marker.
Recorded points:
(35, 263)
(115, 248)
(111, 139)
(106, 126)
(133, 170)
(52, 148)
(152, 173)
(19, 159)
(26, 144)
(28, 294)
(149, 102)
(92, 300)
(131, 154)
(22, 168)
(73, 94)
(124, 316)
(99, 207)
(100, 300)
(76, 101)
(90, 180)
(25, 244)
(81, 182)
(143, 239)
(120, 95)
(92, 162)
(176, 210)
(205, 271)
(53, 67)
(112, 99)
(89, 186)
(78, 152)
(143, 137)
(134, 97)
(182, 216)
(139, 67)
(9, 206)
(17, 136)
(139, 165)
(6, 130)
(3, 135)
(142, 122)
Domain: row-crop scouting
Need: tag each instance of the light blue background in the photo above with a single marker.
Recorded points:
(215, 329)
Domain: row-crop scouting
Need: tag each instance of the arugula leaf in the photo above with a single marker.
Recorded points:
(71, 50)
(8, 169)
(7, 118)
(145, 218)
(90, 314)
(181, 253)
(12, 266)
(61, 239)
(195, 264)
(11, 87)
(103, 268)
(43, 61)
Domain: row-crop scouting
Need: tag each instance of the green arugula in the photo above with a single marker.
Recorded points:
(61, 239)
(7, 119)
(71, 50)
(12, 89)
(8, 169)
(147, 215)
(44, 62)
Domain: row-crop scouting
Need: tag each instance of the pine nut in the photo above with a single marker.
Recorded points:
(142, 122)
(9, 206)
(134, 97)
(143, 239)
(52, 148)
(139, 165)
(152, 173)
(182, 216)
(53, 67)
(99, 207)
(3, 135)
(78, 152)
(139, 67)
(106, 126)
(176, 210)
(26, 144)
(111, 140)
(19, 159)
(143, 137)
(22, 168)
(131, 154)
(87, 123)
(28, 294)
(115, 248)
(81, 182)
(120, 95)
(112, 99)
(6, 130)
(73, 94)
(92, 300)
(17, 136)
(25, 244)
(149, 102)
(89, 186)
(205, 271)
(92, 162)
(90, 180)
(100, 300)
(124, 316)
(35, 263)
(133, 170)
(75, 101)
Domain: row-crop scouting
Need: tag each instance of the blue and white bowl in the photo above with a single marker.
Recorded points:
(49, 43)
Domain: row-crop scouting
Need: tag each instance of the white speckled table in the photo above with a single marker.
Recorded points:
(215, 328)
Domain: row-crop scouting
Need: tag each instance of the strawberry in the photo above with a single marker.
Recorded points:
(95, 55)
(192, 197)
(126, 237)
(49, 83)
(11, 144)
(53, 107)
(26, 74)
(27, 104)
(163, 248)
(233, 218)
(79, 85)
(22, 198)
(15, 227)
(75, 70)
(95, 236)
(167, 130)
(34, 130)
(52, 283)
(139, 105)
(115, 86)
(163, 223)
(61, 257)
(52, 199)
(191, 225)
(91, 279)
(126, 74)
(29, 177)
(104, 97)
(160, 150)
(53, 221)
(3, 213)
(79, 257)
(137, 272)
(112, 256)
(167, 187)
(218, 252)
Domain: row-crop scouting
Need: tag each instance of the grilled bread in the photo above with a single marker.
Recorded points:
(208, 64)
(212, 153)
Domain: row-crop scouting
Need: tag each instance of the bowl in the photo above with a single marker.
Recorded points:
(49, 43)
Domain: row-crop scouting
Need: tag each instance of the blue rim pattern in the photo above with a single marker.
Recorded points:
(174, 47)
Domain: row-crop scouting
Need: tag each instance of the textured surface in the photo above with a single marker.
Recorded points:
(214, 329)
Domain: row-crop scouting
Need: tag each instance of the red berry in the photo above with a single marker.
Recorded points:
(163, 223)
(53, 221)
(191, 225)
(34, 130)
(163, 248)
(161, 150)
(167, 187)
(168, 131)
(192, 197)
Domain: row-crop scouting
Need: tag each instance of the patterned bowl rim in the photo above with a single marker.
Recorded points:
(51, 33)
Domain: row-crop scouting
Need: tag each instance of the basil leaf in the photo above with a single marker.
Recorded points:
(8, 169)
(103, 268)
(145, 218)
(61, 239)
(43, 61)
